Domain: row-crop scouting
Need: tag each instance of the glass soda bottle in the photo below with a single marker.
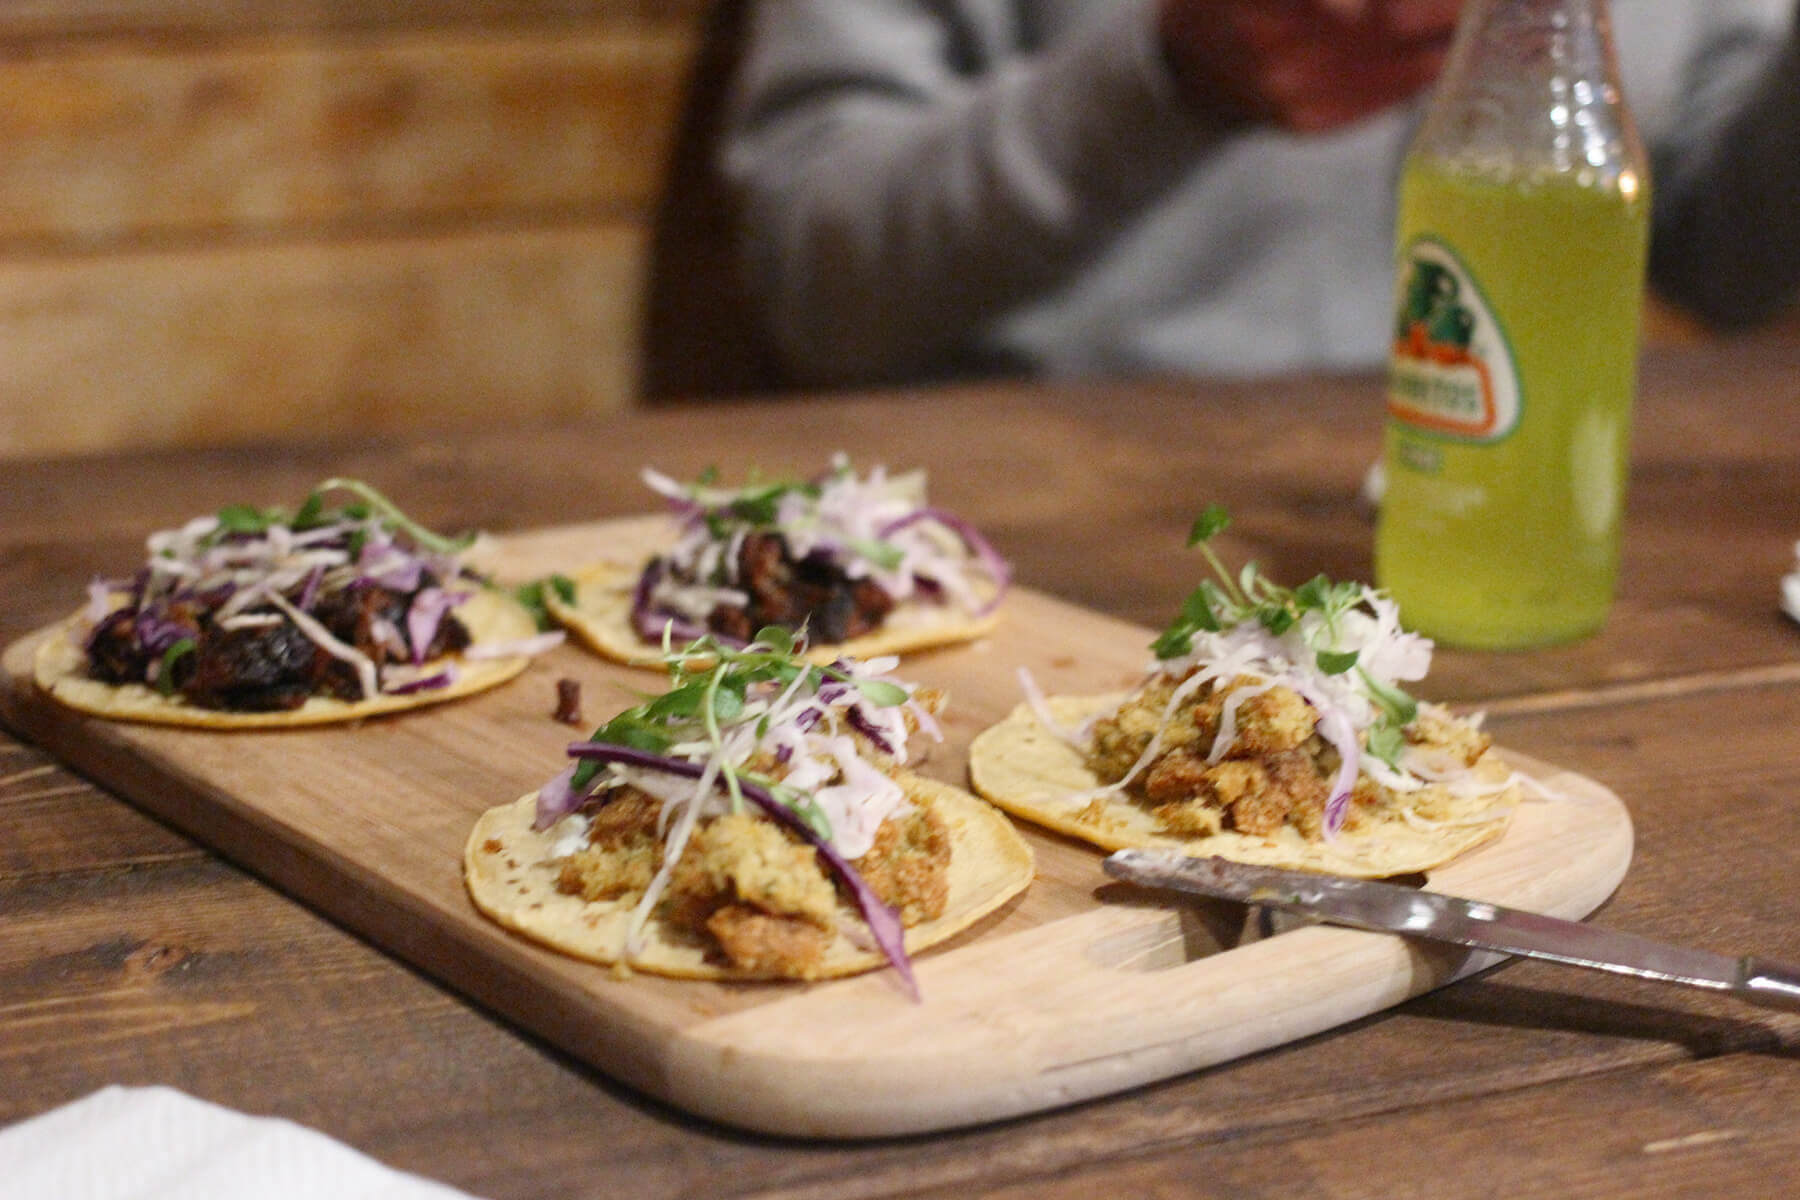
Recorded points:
(1523, 219)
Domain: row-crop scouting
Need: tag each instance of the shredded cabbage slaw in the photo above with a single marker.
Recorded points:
(875, 526)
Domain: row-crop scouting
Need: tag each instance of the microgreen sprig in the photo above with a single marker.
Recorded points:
(248, 519)
(533, 596)
(165, 669)
(757, 506)
(1227, 601)
(710, 687)
(381, 506)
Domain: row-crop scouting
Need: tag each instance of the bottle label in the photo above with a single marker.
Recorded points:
(1452, 371)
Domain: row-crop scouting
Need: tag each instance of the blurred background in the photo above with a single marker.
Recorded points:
(221, 222)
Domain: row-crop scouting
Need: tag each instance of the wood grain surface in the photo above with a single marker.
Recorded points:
(224, 222)
(128, 953)
(1074, 990)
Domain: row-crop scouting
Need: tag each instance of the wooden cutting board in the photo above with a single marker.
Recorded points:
(1077, 989)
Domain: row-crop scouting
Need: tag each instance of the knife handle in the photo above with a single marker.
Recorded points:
(1768, 983)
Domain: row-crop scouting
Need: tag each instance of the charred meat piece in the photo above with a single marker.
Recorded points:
(733, 623)
(262, 668)
(813, 591)
(127, 646)
(112, 649)
(568, 702)
(353, 615)
(270, 668)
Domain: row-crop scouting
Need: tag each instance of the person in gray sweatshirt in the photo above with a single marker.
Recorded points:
(940, 188)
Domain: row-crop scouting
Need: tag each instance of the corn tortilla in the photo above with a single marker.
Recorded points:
(511, 877)
(1036, 775)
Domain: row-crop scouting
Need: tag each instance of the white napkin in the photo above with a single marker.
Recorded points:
(155, 1143)
(1790, 588)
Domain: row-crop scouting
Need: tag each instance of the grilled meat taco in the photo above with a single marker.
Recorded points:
(1271, 728)
(754, 822)
(863, 563)
(254, 618)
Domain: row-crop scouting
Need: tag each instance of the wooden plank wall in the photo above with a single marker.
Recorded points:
(226, 221)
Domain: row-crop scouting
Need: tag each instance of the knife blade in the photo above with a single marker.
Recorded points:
(1410, 912)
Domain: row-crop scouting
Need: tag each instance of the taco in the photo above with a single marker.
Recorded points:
(862, 563)
(756, 821)
(264, 618)
(1271, 728)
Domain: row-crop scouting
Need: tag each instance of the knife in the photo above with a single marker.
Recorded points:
(1391, 908)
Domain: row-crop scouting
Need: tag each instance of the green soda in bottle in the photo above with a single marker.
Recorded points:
(1523, 219)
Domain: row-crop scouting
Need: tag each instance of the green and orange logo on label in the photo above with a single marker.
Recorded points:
(1451, 371)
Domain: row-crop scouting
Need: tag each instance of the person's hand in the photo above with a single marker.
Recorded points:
(1304, 65)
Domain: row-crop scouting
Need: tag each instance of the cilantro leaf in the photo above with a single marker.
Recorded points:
(1201, 608)
(880, 692)
(1314, 593)
(310, 512)
(1209, 524)
(777, 638)
(165, 667)
(1276, 618)
(533, 596)
(246, 518)
(1385, 742)
(1173, 643)
(1399, 707)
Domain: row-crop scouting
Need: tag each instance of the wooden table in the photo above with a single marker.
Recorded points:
(130, 954)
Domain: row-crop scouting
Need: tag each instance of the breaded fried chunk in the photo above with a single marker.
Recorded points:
(1176, 776)
(767, 944)
(1190, 817)
(609, 873)
(623, 850)
(1271, 721)
(740, 859)
(627, 815)
(1120, 739)
(909, 864)
(1461, 739)
(1275, 771)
